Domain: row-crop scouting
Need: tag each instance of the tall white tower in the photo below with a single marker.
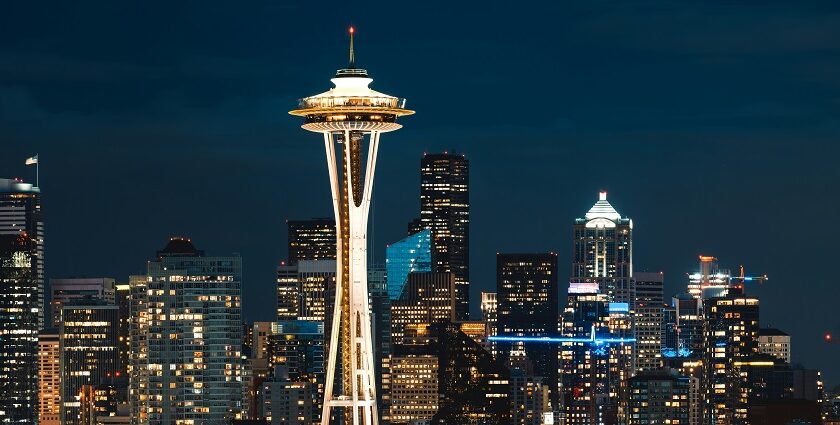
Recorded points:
(346, 114)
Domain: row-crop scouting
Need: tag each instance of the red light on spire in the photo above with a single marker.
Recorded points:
(828, 337)
(352, 30)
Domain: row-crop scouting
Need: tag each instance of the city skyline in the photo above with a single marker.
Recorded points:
(746, 177)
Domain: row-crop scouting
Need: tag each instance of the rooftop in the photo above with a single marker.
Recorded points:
(17, 186)
(602, 209)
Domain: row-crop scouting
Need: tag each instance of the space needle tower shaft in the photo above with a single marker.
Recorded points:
(351, 117)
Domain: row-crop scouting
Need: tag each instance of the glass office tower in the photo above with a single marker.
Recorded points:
(411, 254)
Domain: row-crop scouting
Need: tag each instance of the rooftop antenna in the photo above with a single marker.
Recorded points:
(352, 53)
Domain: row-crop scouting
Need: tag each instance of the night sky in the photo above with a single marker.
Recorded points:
(713, 125)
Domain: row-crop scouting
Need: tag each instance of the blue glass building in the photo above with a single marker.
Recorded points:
(412, 254)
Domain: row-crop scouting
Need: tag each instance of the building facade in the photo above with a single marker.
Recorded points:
(426, 299)
(312, 239)
(731, 337)
(648, 312)
(445, 210)
(526, 295)
(186, 338)
(659, 397)
(775, 343)
(70, 290)
(49, 377)
(597, 358)
(89, 353)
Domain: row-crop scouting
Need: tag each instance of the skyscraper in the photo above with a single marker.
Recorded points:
(649, 306)
(49, 378)
(597, 357)
(603, 251)
(347, 115)
(312, 239)
(21, 299)
(69, 290)
(526, 294)
(410, 254)
(186, 338)
(89, 352)
(303, 290)
(445, 210)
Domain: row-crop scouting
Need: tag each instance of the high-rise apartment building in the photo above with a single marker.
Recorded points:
(445, 210)
(186, 338)
(648, 311)
(89, 352)
(411, 254)
(312, 240)
(72, 290)
(603, 251)
(731, 336)
(526, 295)
(21, 299)
(49, 378)
(775, 343)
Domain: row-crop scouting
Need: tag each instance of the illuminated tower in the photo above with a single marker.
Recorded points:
(345, 115)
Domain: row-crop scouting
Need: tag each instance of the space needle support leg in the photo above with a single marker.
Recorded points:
(329, 145)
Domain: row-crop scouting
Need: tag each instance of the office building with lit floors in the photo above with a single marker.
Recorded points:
(312, 239)
(89, 353)
(731, 337)
(445, 210)
(21, 299)
(186, 338)
(648, 315)
(49, 377)
(426, 299)
(596, 357)
(659, 397)
(526, 296)
(413, 388)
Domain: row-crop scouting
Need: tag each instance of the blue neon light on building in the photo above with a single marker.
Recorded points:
(412, 254)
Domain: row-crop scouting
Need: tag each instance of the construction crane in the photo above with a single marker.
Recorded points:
(740, 280)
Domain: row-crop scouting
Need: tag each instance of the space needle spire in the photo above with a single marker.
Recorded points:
(351, 116)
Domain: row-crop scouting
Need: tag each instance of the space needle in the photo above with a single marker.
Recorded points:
(350, 116)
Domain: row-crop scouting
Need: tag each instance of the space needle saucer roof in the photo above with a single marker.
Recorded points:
(351, 104)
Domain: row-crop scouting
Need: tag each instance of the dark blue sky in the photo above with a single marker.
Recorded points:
(714, 125)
